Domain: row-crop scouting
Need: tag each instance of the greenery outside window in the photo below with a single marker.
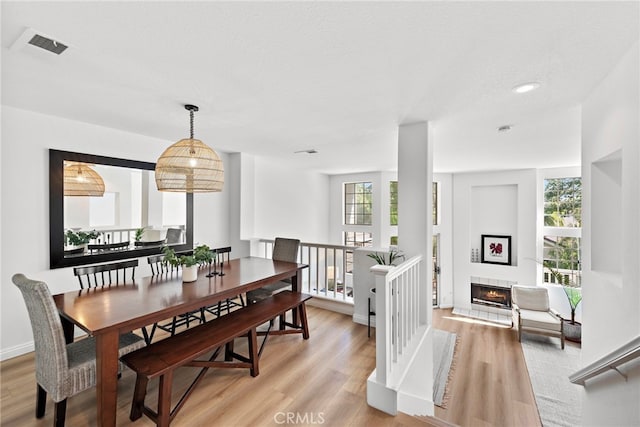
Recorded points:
(563, 202)
(562, 231)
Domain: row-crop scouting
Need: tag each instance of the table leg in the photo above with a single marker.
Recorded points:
(107, 378)
(296, 284)
(67, 329)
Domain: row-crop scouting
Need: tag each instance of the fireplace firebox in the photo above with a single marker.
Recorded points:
(493, 296)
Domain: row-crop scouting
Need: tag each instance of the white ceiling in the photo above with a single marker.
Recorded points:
(272, 78)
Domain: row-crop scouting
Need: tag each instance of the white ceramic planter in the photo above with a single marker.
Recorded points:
(190, 274)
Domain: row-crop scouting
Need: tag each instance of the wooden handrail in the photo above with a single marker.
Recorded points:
(611, 361)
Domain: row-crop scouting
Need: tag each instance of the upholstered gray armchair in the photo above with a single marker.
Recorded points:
(531, 312)
(62, 370)
(283, 250)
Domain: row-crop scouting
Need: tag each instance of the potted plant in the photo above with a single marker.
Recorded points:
(138, 235)
(77, 240)
(394, 256)
(572, 329)
(201, 255)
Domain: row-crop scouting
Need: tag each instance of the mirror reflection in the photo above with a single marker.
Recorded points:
(111, 208)
(104, 209)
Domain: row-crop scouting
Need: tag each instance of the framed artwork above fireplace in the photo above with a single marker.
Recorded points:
(496, 249)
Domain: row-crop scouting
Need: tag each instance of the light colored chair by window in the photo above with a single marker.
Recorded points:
(531, 312)
(62, 370)
(283, 250)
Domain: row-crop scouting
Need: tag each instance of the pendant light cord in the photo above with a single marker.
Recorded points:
(191, 121)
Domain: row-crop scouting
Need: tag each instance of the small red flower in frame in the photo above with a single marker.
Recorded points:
(496, 248)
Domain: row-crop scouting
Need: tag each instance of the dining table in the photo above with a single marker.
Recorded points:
(106, 312)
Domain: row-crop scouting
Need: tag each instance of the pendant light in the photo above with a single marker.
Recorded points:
(189, 166)
(81, 180)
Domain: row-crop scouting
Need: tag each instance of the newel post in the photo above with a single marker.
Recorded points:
(383, 322)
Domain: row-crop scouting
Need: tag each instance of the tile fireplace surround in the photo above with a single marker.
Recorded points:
(490, 300)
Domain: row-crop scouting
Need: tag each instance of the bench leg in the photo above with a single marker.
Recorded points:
(139, 393)
(164, 400)
(253, 352)
(228, 351)
(302, 310)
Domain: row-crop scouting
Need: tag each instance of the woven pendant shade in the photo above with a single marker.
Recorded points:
(189, 166)
(81, 180)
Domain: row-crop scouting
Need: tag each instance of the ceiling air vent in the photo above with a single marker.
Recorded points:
(47, 44)
(31, 39)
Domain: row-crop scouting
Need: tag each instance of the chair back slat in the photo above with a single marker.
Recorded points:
(97, 272)
(222, 253)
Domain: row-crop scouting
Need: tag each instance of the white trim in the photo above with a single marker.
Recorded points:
(16, 350)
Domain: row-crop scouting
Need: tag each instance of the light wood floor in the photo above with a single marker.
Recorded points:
(322, 381)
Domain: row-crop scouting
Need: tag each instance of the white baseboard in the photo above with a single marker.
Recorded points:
(331, 305)
(17, 350)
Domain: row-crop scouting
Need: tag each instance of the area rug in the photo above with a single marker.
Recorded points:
(549, 368)
(444, 344)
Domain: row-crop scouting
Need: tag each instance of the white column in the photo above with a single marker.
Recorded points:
(415, 213)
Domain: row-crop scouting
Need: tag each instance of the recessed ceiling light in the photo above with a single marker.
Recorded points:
(505, 128)
(526, 87)
(308, 151)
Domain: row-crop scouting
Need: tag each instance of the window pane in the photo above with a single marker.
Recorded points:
(393, 203)
(563, 202)
(357, 203)
(561, 260)
(356, 239)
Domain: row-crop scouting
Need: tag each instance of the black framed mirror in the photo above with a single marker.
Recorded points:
(126, 218)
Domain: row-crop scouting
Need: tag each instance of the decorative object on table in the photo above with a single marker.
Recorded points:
(496, 249)
(81, 180)
(189, 165)
(201, 255)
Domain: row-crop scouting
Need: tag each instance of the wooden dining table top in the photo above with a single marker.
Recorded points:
(146, 300)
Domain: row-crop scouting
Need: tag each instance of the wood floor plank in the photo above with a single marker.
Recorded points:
(323, 377)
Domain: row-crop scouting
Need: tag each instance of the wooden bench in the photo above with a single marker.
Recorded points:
(162, 358)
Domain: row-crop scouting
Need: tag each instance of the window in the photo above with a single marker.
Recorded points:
(393, 203)
(357, 203)
(359, 240)
(435, 188)
(562, 260)
(562, 230)
(563, 202)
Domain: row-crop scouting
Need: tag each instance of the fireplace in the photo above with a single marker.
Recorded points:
(493, 296)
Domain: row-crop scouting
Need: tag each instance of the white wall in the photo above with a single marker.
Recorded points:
(611, 199)
(290, 202)
(501, 203)
(26, 138)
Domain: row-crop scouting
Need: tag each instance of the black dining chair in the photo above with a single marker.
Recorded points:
(105, 274)
(159, 267)
(222, 254)
(115, 273)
